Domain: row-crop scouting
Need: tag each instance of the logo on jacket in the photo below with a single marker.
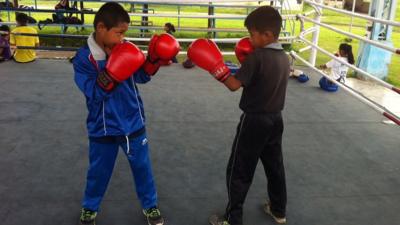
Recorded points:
(144, 141)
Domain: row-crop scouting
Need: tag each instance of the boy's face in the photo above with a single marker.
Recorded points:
(5, 36)
(259, 40)
(111, 37)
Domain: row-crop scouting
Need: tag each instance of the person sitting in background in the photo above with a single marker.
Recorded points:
(60, 8)
(170, 29)
(338, 69)
(6, 5)
(5, 51)
(24, 55)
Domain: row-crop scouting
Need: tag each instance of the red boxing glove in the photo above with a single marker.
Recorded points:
(243, 48)
(205, 54)
(124, 60)
(162, 48)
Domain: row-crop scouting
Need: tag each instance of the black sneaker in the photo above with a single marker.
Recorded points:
(153, 216)
(267, 210)
(87, 217)
(217, 220)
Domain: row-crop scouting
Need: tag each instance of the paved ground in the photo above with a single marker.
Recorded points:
(387, 98)
(342, 162)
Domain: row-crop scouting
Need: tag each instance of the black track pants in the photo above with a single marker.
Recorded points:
(258, 136)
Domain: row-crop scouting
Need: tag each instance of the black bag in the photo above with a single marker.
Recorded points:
(73, 20)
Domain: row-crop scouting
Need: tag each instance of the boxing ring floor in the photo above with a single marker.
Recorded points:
(342, 162)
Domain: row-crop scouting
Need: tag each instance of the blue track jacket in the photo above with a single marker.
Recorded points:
(119, 112)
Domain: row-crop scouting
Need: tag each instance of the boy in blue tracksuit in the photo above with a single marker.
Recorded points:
(115, 114)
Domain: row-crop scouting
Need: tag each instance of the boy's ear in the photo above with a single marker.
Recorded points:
(269, 34)
(101, 26)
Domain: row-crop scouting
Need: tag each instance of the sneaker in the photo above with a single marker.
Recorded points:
(153, 216)
(217, 220)
(267, 210)
(87, 217)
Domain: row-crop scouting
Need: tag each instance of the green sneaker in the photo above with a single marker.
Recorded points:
(217, 220)
(153, 216)
(87, 217)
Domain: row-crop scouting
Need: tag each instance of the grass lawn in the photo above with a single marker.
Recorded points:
(329, 40)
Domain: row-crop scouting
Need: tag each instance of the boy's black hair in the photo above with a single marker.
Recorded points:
(111, 14)
(4, 28)
(171, 27)
(348, 50)
(21, 18)
(264, 18)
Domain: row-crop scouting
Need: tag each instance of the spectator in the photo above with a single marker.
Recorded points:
(338, 69)
(24, 55)
(5, 51)
(170, 29)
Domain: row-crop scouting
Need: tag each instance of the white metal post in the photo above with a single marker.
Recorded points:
(392, 17)
(315, 37)
(179, 19)
(8, 12)
(352, 10)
